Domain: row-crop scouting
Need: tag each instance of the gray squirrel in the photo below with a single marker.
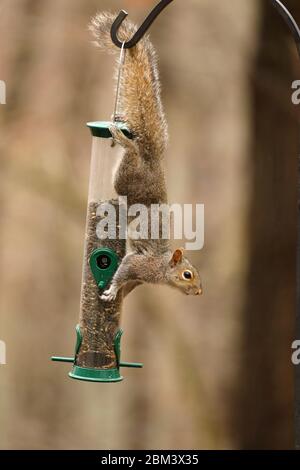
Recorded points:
(140, 175)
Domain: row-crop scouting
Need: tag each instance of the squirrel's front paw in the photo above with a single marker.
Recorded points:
(117, 134)
(120, 138)
(109, 294)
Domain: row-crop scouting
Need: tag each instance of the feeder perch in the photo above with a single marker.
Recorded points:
(97, 352)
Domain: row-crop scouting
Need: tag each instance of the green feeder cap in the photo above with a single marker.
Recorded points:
(101, 128)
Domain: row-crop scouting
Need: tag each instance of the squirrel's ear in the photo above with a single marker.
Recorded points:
(176, 257)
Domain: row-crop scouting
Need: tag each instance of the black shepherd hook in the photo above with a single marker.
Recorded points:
(291, 22)
(289, 19)
(143, 28)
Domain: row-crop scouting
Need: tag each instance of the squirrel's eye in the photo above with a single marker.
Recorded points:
(187, 275)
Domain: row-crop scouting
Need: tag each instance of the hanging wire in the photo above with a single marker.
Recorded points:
(120, 69)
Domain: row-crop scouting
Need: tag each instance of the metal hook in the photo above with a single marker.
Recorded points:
(143, 28)
(290, 20)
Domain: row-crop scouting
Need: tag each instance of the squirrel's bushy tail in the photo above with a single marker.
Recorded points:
(140, 87)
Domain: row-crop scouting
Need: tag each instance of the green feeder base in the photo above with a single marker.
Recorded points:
(95, 375)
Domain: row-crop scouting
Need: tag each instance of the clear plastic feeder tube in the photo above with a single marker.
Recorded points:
(99, 320)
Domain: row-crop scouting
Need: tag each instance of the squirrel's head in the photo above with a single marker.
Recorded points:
(183, 275)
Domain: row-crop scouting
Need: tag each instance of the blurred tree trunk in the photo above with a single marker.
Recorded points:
(264, 410)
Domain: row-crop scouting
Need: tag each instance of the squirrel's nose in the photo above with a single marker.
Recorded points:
(199, 291)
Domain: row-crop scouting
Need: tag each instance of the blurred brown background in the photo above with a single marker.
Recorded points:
(217, 371)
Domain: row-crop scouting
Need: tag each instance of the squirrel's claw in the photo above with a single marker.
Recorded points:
(110, 294)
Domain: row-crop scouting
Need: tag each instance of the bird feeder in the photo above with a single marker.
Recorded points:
(97, 351)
